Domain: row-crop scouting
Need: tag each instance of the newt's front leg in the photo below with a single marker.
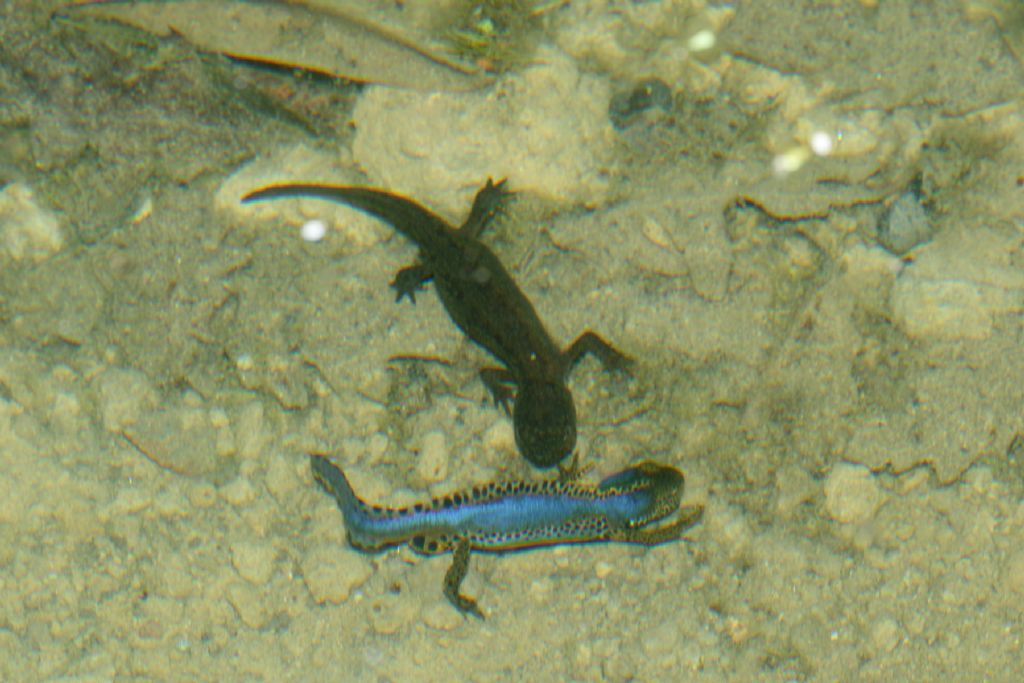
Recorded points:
(498, 381)
(688, 516)
(453, 580)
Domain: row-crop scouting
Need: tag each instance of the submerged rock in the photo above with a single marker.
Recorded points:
(627, 106)
(905, 226)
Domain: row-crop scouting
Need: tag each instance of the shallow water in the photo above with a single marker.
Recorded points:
(848, 416)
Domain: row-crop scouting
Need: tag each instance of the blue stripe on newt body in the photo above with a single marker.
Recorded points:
(487, 305)
(514, 515)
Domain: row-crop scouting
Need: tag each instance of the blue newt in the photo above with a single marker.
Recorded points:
(487, 305)
(515, 515)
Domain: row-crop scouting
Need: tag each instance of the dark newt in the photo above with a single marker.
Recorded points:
(487, 305)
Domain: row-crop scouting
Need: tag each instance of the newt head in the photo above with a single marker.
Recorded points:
(665, 485)
(544, 419)
(660, 485)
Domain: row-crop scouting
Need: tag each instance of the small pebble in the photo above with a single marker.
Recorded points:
(885, 635)
(790, 161)
(202, 494)
(124, 395)
(500, 437)
(249, 604)
(332, 572)
(127, 502)
(702, 41)
(905, 226)
(730, 528)
(390, 612)
(250, 430)
(281, 479)
(661, 639)
(314, 230)
(645, 95)
(432, 465)
(584, 655)
(794, 487)
(1013, 574)
(852, 496)
(254, 561)
(180, 439)
(540, 589)
(27, 230)
(441, 616)
(822, 143)
(238, 492)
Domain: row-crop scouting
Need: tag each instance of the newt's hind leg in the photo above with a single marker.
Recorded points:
(589, 342)
(453, 580)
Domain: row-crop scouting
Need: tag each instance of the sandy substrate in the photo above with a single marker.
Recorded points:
(831, 353)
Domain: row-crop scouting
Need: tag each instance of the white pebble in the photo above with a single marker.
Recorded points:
(822, 143)
(27, 229)
(314, 230)
(852, 496)
(790, 161)
(701, 41)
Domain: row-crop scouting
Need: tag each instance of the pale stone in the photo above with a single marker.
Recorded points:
(254, 561)
(248, 603)
(178, 439)
(281, 478)
(202, 494)
(708, 257)
(174, 577)
(1013, 574)
(389, 613)
(332, 572)
(852, 495)
(251, 435)
(432, 465)
(730, 528)
(442, 617)
(794, 487)
(500, 436)
(124, 394)
(957, 286)
(127, 502)
(28, 230)
(945, 310)
(885, 635)
(239, 492)
(546, 127)
(662, 639)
